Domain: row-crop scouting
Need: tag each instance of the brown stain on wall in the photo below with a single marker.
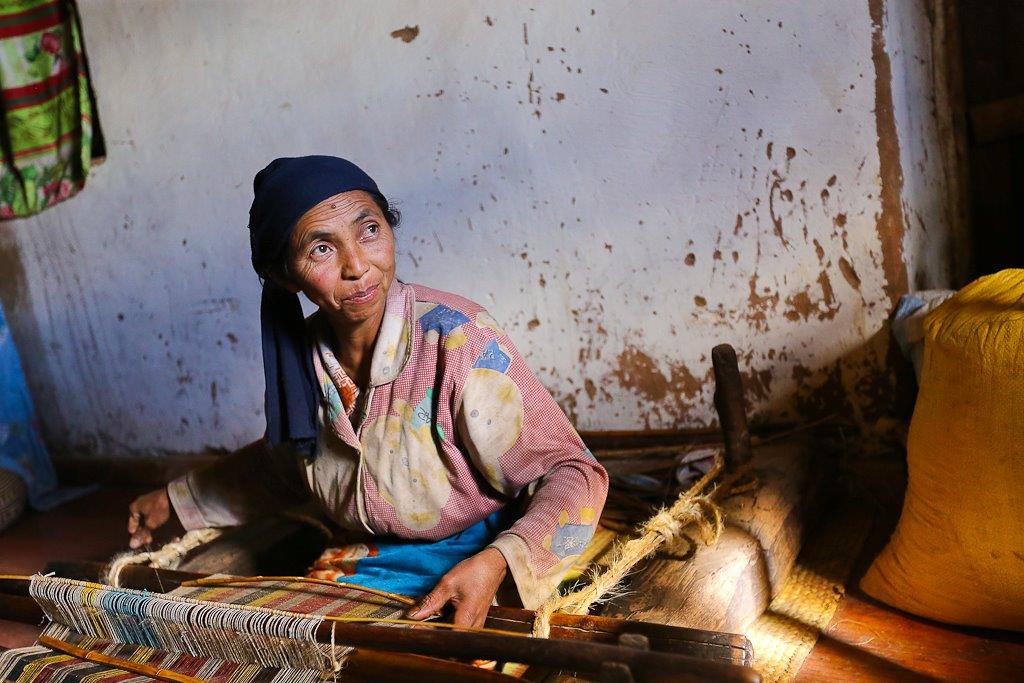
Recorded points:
(678, 393)
(846, 268)
(760, 305)
(890, 221)
(669, 396)
(639, 372)
(12, 284)
(407, 34)
(820, 391)
(802, 306)
(827, 294)
(757, 384)
(776, 186)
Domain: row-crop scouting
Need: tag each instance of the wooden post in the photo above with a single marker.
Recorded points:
(731, 406)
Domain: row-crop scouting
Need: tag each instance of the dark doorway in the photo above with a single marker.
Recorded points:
(993, 70)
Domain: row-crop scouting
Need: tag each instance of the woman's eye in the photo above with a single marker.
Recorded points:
(320, 250)
(372, 228)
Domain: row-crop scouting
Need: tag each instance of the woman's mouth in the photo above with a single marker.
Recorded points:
(364, 296)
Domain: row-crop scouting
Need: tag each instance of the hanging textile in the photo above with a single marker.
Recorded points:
(49, 130)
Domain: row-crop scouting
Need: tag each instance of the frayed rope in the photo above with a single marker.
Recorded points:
(168, 556)
(693, 507)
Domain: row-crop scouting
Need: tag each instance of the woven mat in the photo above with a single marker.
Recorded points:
(785, 634)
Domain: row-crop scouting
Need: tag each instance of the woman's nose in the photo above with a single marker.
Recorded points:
(353, 263)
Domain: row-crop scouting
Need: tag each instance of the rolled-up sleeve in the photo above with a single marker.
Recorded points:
(249, 483)
(516, 435)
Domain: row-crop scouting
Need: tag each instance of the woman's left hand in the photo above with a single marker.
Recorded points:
(469, 586)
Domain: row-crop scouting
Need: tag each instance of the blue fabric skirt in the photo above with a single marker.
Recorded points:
(410, 568)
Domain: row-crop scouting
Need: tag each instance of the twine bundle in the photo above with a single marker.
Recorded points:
(693, 507)
(167, 557)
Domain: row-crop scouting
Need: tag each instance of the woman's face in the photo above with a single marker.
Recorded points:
(342, 256)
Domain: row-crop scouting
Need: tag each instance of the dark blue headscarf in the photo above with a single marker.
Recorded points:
(283, 191)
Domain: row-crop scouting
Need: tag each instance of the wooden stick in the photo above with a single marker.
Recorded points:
(731, 406)
(229, 580)
(640, 451)
(413, 622)
(116, 662)
(568, 655)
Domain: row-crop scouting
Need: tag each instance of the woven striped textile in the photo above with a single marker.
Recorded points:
(298, 597)
(37, 663)
(262, 631)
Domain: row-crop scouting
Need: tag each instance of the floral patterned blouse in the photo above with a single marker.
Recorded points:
(453, 427)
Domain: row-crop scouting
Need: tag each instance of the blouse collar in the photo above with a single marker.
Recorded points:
(390, 353)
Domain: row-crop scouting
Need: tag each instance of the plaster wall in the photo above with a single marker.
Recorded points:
(623, 184)
(917, 35)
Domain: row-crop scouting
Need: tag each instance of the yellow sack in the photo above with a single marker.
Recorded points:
(958, 552)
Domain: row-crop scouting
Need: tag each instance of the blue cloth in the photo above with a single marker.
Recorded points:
(413, 568)
(282, 192)
(21, 449)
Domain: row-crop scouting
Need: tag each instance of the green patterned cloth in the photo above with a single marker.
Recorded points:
(49, 133)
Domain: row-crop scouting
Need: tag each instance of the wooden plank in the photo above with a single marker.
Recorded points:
(873, 642)
(870, 641)
(725, 587)
(729, 648)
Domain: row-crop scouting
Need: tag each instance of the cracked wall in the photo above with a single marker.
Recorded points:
(624, 185)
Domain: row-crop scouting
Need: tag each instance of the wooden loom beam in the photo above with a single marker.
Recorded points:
(727, 648)
(586, 643)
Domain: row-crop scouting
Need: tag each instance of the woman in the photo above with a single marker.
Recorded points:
(403, 412)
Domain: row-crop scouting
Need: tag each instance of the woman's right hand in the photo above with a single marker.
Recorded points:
(147, 513)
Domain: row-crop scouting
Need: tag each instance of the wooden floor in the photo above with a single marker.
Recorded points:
(865, 640)
(869, 641)
(90, 528)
